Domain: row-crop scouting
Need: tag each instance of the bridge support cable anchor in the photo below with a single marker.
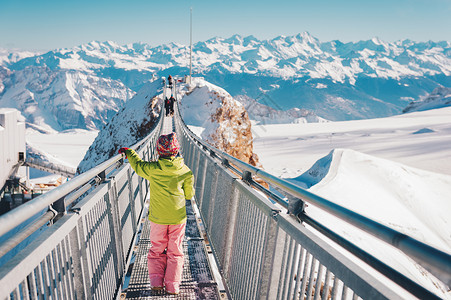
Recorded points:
(58, 208)
(102, 176)
(247, 177)
(119, 163)
(296, 208)
(225, 162)
(212, 153)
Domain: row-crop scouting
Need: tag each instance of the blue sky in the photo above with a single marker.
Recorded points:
(45, 25)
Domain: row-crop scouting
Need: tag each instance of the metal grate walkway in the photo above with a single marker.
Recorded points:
(197, 281)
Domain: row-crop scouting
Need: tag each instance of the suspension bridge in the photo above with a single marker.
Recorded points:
(243, 241)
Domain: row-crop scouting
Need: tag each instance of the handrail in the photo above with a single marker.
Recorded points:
(59, 169)
(26, 232)
(438, 261)
(87, 250)
(15, 217)
(434, 260)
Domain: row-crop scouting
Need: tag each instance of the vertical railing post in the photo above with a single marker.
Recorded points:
(131, 200)
(82, 280)
(141, 191)
(115, 225)
(189, 152)
(193, 151)
(213, 187)
(230, 229)
(199, 178)
(196, 160)
(272, 261)
(59, 208)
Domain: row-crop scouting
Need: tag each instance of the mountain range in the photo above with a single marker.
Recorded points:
(334, 80)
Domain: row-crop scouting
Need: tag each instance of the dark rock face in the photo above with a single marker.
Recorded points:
(440, 97)
(226, 121)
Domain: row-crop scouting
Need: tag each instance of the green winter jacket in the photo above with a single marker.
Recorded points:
(170, 183)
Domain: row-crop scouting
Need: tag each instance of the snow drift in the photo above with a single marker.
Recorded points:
(37, 153)
(409, 200)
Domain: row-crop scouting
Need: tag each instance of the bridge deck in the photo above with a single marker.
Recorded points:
(197, 282)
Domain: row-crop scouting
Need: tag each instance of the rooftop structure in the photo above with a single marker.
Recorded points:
(12, 144)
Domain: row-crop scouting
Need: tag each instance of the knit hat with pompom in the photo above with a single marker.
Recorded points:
(167, 145)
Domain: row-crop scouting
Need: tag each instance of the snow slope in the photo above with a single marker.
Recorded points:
(64, 148)
(197, 104)
(393, 170)
(408, 196)
(409, 200)
(419, 139)
(8, 57)
(131, 124)
(264, 114)
(60, 100)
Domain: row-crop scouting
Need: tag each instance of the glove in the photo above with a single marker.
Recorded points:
(122, 151)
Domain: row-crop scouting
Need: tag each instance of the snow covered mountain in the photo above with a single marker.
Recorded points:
(335, 80)
(8, 57)
(225, 121)
(227, 125)
(130, 124)
(440, 97)
(394, 170)
(4, 73)
(294, 56)
(265, 114)
(56, 100)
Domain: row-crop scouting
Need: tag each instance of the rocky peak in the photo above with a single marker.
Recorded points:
(439, 97)
(233, 131)
(226, 121)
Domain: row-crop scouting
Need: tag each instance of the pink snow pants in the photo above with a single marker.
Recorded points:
(165, 258)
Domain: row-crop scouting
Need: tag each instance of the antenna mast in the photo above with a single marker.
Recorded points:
(190, 42)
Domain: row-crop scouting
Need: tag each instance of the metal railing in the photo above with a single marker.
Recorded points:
(49, 167)
(264, 253)
(84, 254)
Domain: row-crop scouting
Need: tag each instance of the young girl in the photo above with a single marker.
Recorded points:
(170, 183)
